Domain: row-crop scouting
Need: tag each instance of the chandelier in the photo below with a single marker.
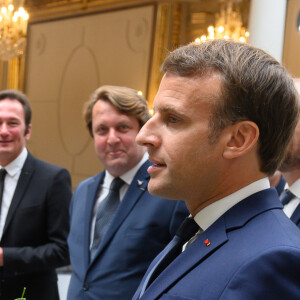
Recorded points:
(13, 27)
(228, 24)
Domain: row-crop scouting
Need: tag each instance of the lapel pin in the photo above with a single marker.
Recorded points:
(140, 182)
(207, 242)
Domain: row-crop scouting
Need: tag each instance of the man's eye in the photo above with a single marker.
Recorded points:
(101, 130)
(123, 127)
(172, 120)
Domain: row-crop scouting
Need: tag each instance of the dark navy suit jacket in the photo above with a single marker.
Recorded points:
(142, 226)
(253, 253)
(296, 214)
(295, 217)
(280, 186)
(34, 239)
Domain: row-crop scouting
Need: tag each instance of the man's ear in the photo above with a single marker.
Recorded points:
(241, 138)
(28, 132)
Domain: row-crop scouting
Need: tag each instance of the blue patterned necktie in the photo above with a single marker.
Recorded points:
(105, 213)
(286, 196)
(185, 232)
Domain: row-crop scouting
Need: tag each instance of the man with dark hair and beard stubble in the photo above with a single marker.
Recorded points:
(291, 172)
(225, 113)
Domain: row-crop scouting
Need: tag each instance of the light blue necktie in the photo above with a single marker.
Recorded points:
(105, 213)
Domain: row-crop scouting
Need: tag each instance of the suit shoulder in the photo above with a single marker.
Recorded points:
(281, 265)
(88, 181)
(46, 166)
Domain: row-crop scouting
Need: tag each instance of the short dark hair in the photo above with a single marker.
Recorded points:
(22, 98)
(124, 99)
(255, 87)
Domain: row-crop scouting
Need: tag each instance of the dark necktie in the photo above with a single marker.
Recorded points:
(105, 213)
(2, 177)
(185, 232)
(286, 196)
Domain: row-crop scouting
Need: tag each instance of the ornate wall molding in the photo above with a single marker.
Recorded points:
(46, 10)
(67, 59)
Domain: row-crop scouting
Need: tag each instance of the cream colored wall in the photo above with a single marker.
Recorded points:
(291, 54)
(66, 61)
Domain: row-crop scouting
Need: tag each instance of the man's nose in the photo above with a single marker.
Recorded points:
(148, 135)
(3, 128)
(113, 137)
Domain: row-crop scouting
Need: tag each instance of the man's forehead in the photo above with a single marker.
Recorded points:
(175, 88)
(121, 118)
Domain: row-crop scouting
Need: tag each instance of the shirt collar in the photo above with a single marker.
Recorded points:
(128, 176)
(208, 215)
(17, 164)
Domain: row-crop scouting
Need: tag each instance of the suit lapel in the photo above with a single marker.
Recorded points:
(215, 236)
(296, 215)
(136, 189)
(24, 179)
(91, 195)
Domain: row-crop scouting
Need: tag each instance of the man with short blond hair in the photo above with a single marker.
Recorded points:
(117, 227)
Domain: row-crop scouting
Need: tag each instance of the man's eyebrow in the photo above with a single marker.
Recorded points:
(169, 109)
(13, 119)
(123, 122)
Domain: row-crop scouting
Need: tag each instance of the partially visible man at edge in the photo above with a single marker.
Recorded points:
(111, 267)
(290, 169)
(278, 182)
(224, 114)
(34, 220)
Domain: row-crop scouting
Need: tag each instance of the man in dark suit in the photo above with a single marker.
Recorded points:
(291, 172)
(34, 218)
(111, 267)
(224, 114)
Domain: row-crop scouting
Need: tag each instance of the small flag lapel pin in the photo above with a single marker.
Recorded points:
(207, 242)
(140, 182)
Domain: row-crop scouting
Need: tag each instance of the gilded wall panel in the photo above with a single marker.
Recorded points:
(66, 61)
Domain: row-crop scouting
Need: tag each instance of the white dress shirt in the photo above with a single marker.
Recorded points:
(104, 189)
(13, 170)
(209, 214)
(290, 207)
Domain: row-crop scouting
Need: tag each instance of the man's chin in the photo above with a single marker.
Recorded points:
(161, 190)
(118, 167)
(6, 152)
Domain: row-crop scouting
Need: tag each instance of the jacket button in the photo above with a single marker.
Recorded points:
(85, 287)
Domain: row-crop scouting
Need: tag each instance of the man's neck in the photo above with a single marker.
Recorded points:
(17, 163)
